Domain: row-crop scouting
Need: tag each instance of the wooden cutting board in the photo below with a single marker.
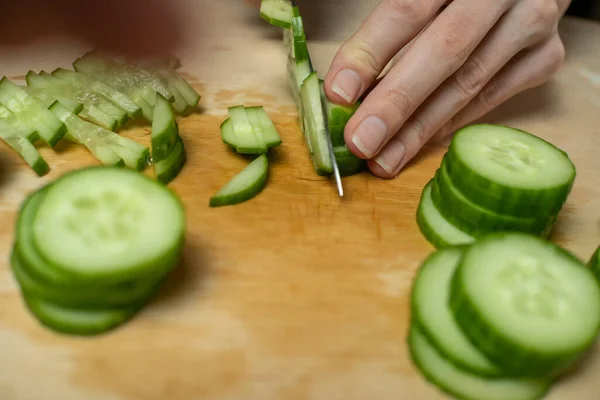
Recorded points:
(296, 294)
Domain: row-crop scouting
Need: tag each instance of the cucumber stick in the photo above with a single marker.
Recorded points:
(277, 12)
(31, 112)
(23, 147)
(245, 185)
(529, 306)
(463, 385)
(300, 48)
(317, 131)
(165, 131)
(20, 127)
(169, 168)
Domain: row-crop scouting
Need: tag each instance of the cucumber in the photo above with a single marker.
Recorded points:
(510, 171)
(528, 305)
(463, 385)
(116, 97)
(23, 147)
(260, 121)
(313, 110)
(245, 185)
(337, 118)
(106, 224)
(227, 134)
(277, 12)
(169, 168)
(348, 163)
(186, 97)
(76, 321)
(31, 112)
(87, 134)
(300, 48)
(594, 263)
(247, 139)
(164, 129)
(476, 220)
(431, 311)
(48, 99)
(20, 127)
(434, 227)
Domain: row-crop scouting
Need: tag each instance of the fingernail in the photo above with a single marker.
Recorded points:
(391, 158)
(347, 84)
(369, 135)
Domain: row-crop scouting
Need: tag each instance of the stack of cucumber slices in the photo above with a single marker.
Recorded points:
(502, 318)
(494, 178)
(93, 247)
(317, 116)
(89, 104)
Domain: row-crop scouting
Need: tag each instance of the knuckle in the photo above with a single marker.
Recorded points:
(362, 57)
(455, 40)
(471, 77)
(422, 134)
(397, 96)
(486, 98)
(409, 9)
(542, 16)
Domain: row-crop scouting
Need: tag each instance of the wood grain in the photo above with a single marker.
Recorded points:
(296, 294)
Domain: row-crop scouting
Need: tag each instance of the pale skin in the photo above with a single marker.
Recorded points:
(450, 63)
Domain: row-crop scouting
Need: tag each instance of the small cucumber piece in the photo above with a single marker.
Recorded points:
(300, 47)
(313, 110)
(530, 307)
(463, 385)
(109, 225)
(23, 148)
(434, 227)
(337, 118)
(48, 99)
(227, 134)
(269, 132)
(20, 127)
(32, 112)
(277, 13)
(169, 168)
(510, 171)
(247, 141)
(245, 185)
(164, 129)
(348, 163)
(431, 310)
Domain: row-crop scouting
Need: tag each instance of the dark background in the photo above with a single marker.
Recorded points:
(585, 8)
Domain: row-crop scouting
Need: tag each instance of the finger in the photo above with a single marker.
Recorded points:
(517, 29)
(391, 25)
(438, 53)
(134, 27)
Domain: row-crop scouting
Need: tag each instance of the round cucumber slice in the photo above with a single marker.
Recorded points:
(108, 224)
(462, 385)
(476, 220)
(528, 305)
(434, 227)
(431, 310)
(510, 171)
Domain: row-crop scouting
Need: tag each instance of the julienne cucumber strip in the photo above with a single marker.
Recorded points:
(20, 127)
(476, 220)
(245, 185)
(463, 385)
(434, 227)
(108, 225)
(430, 309)
(48, 99)
(277, 12)
(510, 171)
(529, 306)
(30, 111)
(23, 147)
(165, 131)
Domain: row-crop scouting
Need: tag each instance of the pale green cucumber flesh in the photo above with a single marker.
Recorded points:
(463, 385)
(255, 121)
(108, 224)
(269, 131)
(169, 168)
(247, 141)
(528, 305)
(313, 110)
(245, 185)
(227, 134)
(430, 308)
(23, 148)
(277, 12)
(164, 129)
(434, 227)
(510, 171)
(21, 128)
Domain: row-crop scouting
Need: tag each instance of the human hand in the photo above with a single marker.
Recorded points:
(132, 27)
(468, 59)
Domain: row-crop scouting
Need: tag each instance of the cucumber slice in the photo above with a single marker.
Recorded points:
(431, 310)
(245, 185)
(270, 134)
(337, 118)
(76, 321)
(348, 163)
(594, 263)
(462, 385)
(108, 224)
(164, 129)
(277, 12)
(23, 148)
(227, 134)
(20, 128)
(476, 220)
(116, 97)
(300, 48)
(87, 134)
(313, 110)
(168, 169)
(247, 140)
(528, 305)
(30, 111)
(510, 171)
(434, 227)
